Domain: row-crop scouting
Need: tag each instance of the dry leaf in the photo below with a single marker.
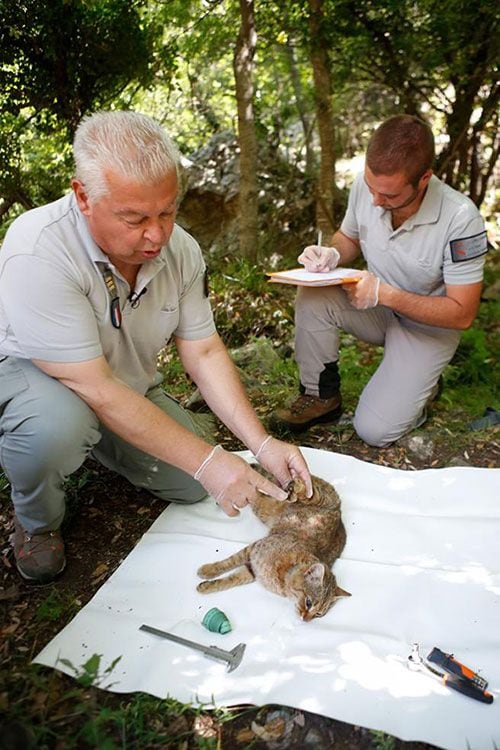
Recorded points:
(245, 735)
(100, 570)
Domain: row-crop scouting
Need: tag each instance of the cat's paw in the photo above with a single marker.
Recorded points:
(205, 587)
(296, 491)
(207, 571)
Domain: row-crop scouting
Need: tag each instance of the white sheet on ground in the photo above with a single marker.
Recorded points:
(422, 562)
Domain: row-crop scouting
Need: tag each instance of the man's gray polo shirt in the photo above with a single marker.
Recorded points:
(54, 304)
(444, 242)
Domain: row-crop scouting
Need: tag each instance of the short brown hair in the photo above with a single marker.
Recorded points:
(403, 143)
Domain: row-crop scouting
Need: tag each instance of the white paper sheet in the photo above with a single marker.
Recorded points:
(301, 277)
(422, 563)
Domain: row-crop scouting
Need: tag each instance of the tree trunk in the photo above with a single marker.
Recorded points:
(301, 107)
(326, 204)
(243, 74)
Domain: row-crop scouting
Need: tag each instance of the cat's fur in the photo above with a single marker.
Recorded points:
(306, 536)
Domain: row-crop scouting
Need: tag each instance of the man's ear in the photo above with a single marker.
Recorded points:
(81, 196)
(424, 180)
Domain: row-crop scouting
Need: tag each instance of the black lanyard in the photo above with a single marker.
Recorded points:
(114, 307)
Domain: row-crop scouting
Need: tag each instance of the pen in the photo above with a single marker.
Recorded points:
(318, 251)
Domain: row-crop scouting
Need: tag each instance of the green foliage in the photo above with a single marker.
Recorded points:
(245, 304)
(382, 741)
(55, 606)
(68, 56)
(471, 364)
(89, 674)
(58, 61)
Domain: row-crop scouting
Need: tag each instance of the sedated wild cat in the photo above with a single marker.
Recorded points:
(294, 560)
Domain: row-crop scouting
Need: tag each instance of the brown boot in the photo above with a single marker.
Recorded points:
(306, 411)
(39, 557)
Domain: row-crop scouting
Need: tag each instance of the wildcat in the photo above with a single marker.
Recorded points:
(294, 560)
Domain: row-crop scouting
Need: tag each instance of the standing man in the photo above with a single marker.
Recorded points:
(424, 245)
(92, 286)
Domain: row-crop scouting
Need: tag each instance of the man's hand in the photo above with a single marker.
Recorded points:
(318, 259)
(364, 293)
(233, 483)
(284, 461)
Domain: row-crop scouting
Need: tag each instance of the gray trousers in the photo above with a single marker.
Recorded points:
(47, 431)
(414, 357)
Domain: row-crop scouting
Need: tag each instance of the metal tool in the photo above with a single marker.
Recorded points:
(232, 658)
(451, 673)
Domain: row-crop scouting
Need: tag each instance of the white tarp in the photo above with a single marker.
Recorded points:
(422, 562)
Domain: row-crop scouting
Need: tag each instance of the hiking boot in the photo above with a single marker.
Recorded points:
(306, 411)
(39, 557)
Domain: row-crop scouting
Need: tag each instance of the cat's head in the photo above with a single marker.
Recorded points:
(315, 591)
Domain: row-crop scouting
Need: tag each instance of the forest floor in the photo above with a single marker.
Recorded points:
(106, 517)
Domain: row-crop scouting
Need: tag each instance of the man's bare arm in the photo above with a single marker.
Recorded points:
(457, 309)
(208, 363)
(126, 412)
(348, 248)
(143, 424)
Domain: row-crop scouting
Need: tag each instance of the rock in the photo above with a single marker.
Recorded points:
(257, 356)
(421, 446)
(457, 461)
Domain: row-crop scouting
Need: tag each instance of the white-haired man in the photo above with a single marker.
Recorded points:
(92, 287)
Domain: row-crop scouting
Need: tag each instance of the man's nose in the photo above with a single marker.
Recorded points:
(378, 199)
(155, 232)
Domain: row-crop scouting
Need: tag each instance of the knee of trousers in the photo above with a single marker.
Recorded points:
(56, 439)
(372, 430)
(317, 303)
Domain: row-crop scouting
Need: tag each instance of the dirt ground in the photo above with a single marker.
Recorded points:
(109, 520)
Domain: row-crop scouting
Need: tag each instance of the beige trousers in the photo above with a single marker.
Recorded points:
(394, 399)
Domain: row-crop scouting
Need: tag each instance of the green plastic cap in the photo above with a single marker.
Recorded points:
(216, 621)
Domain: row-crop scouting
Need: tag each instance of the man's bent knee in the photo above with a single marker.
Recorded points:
(373, 430)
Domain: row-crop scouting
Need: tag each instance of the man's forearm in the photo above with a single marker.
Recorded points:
(130, 415)
(348, 248)
(214, 373)
(443, 311)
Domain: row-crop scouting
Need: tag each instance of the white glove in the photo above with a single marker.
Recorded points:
(232, 482)
(364, 293)
(284, 461)
(319, 259)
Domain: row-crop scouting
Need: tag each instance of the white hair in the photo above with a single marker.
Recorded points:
(128, 143)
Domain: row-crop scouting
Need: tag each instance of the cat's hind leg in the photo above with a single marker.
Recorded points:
(238, 578)
(212, 570)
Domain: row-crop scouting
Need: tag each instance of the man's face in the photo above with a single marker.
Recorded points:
(132, 222)
(394, 192)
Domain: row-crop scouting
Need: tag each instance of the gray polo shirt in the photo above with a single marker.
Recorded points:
(444, 242)
(54, 304)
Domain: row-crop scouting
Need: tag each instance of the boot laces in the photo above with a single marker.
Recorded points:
(302, 403)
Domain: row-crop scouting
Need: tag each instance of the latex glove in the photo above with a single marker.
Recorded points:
(284, 461)
(319, 259)
(364, 293)
(233, 483)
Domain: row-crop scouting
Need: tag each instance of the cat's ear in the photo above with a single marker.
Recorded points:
(315, 573)
(340, 593)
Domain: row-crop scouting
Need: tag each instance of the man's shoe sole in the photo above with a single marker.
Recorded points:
(330, 416)
(46, 578)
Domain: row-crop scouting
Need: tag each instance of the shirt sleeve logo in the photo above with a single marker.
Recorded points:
(467, 248)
